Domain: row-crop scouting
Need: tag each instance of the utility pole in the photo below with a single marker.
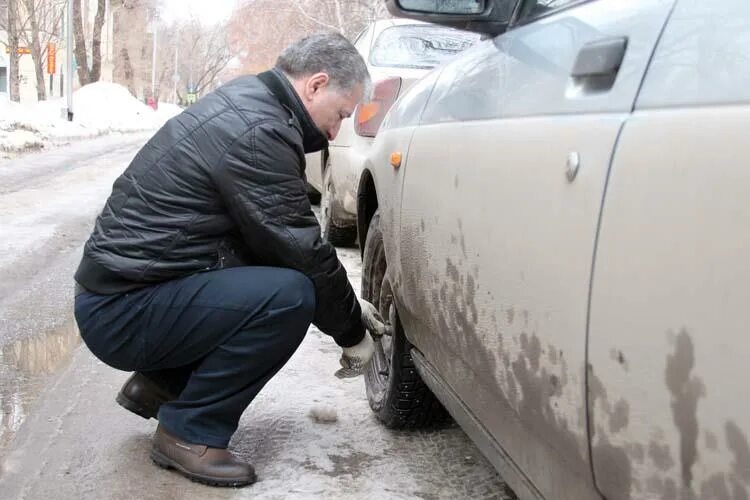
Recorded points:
(153, 60)
(69, 57)
(176, 76)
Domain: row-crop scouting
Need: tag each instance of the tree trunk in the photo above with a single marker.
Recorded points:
(84, 76)
(36, 50)
(96, 43)
(13, 73)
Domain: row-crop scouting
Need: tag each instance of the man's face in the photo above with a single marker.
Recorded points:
(328, 105)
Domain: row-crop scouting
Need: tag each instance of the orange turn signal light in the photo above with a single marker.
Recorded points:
(396, 159)
(367, 112)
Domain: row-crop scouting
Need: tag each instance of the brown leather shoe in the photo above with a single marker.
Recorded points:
(212, 466)
(142, 396)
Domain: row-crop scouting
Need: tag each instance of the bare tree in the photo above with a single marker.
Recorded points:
(257, 39)
(36, 48)
(13, 73)
(84, 75)
(96, 42)
(329, 14)
(36, 24)
(41, 27)
(212, 57)
(88, 74)
(205, 54)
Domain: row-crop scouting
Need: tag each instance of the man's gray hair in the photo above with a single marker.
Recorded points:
(329, 53)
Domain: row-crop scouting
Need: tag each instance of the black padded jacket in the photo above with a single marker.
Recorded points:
(223, 185)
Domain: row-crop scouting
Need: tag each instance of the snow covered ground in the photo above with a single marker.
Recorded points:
(99, 108)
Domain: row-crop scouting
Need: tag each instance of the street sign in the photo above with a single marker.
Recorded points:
(51, 58)
(21, 50)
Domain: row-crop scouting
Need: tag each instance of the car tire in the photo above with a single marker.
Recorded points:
(395, 391)
(336, 235)
(313, 195)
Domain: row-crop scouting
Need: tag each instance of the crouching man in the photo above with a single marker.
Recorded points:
(206, 266)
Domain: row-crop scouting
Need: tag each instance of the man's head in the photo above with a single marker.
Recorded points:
(329, 75)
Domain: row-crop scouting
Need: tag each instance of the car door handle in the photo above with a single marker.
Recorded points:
(600, 58)
(595, 69)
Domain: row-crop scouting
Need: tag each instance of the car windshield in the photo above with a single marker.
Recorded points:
(416, 46)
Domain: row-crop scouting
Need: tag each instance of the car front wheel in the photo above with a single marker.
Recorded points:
(395, 391)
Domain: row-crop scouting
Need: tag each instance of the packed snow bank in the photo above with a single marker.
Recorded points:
(99, 108)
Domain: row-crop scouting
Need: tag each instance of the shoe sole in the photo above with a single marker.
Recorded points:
(134, 407)
(167, 463)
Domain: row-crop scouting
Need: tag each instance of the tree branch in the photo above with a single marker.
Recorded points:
(309, 17)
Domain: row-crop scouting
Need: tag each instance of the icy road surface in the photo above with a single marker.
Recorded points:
(63, 436)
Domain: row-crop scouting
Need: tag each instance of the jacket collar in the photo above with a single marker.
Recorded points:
(312, 138)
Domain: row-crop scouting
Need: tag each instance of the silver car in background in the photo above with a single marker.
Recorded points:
(398, 52)
(557, 224)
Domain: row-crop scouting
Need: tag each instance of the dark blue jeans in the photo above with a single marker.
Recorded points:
(214, 338)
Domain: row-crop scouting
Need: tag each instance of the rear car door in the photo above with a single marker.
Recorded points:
(501, 200)
(669, 312)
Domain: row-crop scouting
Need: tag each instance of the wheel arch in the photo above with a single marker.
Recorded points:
(367, 204)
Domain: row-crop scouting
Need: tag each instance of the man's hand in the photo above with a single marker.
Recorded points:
(355, 358)
(372, 319)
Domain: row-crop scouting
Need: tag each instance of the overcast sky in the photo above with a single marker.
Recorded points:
(208, 11)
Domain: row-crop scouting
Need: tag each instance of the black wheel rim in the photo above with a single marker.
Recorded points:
(380, 295)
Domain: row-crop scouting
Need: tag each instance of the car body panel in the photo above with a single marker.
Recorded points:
(703, 57)
(668, 333)
(495, 294)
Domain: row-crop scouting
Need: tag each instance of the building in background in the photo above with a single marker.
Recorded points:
(129, 56)
(4, 60)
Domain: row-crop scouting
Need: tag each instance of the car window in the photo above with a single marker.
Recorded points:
(417, 46)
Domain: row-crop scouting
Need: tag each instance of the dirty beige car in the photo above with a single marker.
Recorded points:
(556, 223)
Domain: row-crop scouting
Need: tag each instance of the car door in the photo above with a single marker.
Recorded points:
(501, 200)
(669, 329)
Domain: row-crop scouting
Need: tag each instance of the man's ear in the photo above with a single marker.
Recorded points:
(316, 83)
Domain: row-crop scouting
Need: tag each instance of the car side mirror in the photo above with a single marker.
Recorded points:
(489, 17)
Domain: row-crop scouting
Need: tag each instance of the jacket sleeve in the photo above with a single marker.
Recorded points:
(261, 182)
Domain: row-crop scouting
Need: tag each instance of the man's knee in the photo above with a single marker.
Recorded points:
(297, 292)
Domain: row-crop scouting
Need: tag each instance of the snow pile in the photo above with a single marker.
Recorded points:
(99, 108)
(323, 414)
